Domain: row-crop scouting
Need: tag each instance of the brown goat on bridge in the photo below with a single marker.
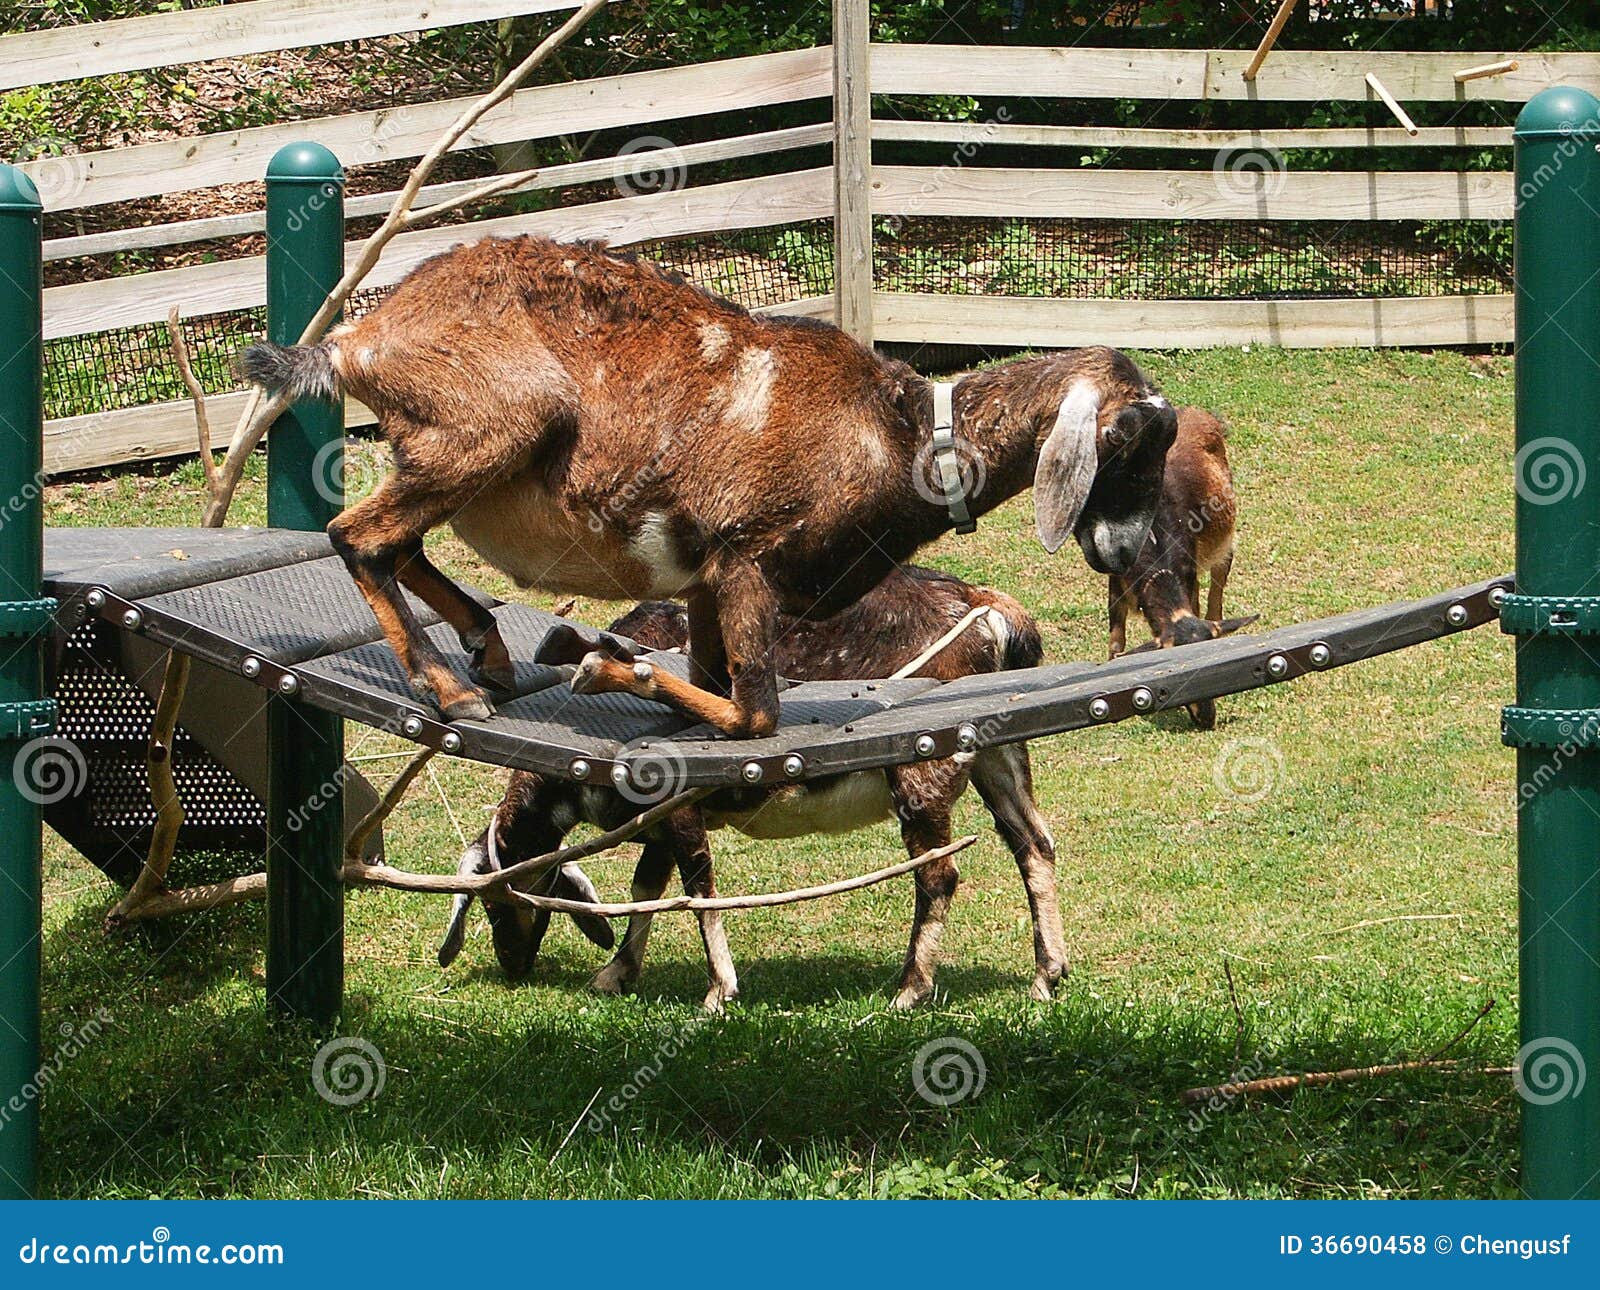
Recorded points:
(886, 630)
(592, 424)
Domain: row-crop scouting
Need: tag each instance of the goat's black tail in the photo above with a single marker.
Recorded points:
(303, 371)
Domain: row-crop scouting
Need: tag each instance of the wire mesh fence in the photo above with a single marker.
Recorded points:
(1061, 258)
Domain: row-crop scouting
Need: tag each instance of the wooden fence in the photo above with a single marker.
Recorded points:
(851, 193)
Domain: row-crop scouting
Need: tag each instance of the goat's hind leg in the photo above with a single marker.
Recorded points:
(923, 807)
(1004, 780)
(372, 537)
(474, 623)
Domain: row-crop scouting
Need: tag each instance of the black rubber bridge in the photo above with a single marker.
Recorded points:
(276, 609)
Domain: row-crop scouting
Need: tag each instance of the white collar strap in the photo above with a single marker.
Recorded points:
(946, 460)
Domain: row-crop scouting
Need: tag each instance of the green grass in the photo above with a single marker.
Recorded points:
(1363, 477)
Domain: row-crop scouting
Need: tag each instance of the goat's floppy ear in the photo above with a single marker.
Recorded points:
(1228, 626)
(573, 884)
(1068, 460)
(474, 860)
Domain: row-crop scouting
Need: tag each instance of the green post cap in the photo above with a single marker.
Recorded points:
(1559, 112)
(305, 163)
(17, 192)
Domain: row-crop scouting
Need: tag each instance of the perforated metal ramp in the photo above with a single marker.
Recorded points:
(279, 610)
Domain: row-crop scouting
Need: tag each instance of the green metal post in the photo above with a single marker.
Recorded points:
(1555, 725)
(305, 799)
(25, 714)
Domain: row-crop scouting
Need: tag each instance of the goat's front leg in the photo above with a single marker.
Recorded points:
(1004, 779)
(650, 876)
(1219, 580)
(699, 879)
(371, 537)
(745, 611)
(474, 624)
(1117, 612)
(923, 795)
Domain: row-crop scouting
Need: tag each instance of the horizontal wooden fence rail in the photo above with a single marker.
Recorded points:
(87, 307)
(168, 430)
(963, 133)
(1191, 194)
(1040, 321)
(228, 31)
(361, 138)
(1079, 72)
(375, 204)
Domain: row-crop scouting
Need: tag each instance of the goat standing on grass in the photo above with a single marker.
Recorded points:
(1192, 534)
(885, 631)
(591, 424)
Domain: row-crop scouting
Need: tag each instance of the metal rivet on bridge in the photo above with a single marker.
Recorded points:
(1456, 615)
(451, 742)
(96, 598)
(1278, 666)
(1099, 709)
(794, 765)
(1321, 655)
(967, 737)
(579, 768)
(1142, 699)
(1497, 596)
(412, 727)
(619, 776)
(925, 745)
(289, 684)
(751, 772)
(132, 619)
(251, 666)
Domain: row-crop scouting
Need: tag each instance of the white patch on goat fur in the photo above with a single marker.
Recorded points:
(845, 804)
(713, 341)
(1000, 630)
(653, 546)
(746, 396)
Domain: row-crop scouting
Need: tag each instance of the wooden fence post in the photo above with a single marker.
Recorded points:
(852, 167)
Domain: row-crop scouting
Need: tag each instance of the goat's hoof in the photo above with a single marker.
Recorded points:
(612, 979)
(471, 707)
(1043, 989)
(911, 997)
(501, 680)
(599, 674)
(717, 998)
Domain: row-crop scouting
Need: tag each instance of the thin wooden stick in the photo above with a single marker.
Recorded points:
(1274, 30)
(1390, 102)
(940, 645)
(1486, 69)
(766, 900)
(152, 877)
(258, 413)
(1312, 1079)
(356, 843)
(189, 900)
(197, 394)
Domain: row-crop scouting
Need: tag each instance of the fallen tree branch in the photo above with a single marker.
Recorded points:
(373, 820)
(1313, 1079)
(197, 395)
(258, 413)
(152, 877)
(698, 904)
(191, 900)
